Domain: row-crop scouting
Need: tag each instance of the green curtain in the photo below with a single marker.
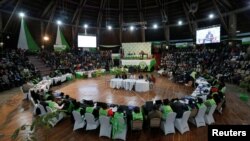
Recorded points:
(33, 47)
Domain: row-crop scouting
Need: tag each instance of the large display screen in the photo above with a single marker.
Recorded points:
(86, 41)
(208, 35)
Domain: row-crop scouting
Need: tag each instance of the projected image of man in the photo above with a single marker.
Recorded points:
(209, 37)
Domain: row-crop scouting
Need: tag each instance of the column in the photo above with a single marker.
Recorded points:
(232, 26)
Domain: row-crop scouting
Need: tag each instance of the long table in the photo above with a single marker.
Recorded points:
(203, 88)
(149, 62)
(128, 84)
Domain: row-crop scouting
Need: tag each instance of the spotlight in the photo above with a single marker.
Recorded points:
(131, 28)
(155, 26)
(45, 38)
(85, 26)
(179, 22)
(211, 16)
(59, 22)
(21, 14)
(109, 27)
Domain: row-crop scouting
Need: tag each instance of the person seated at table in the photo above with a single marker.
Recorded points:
(91, 109)
(140, 76)
(192, 107)
(152, 78)
(124, 76)
(118, 76)
(53, 105)
(155, 113)
(46, 95)
(178, 107)
(165, 109)
(200, 104)
(137, 114)
(209, 102)
(78, 108)
(36, 97)
(69, 104)
(148, 78)
(26, 87)
(132, 76)
(103, 111)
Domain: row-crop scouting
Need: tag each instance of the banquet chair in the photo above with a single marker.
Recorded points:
(181, 123)
(42, 109)
(121, 135)
(155, 122)
(55, 120)
(136, 124)
(199, 120)
(92, 123)
(167, 125)
(105, 126)
(209, 119)
(79, 120)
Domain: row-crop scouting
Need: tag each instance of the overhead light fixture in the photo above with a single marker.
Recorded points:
(237, 31)
(180, 22)
(211, 16)
(45, 38)
(59, 22)
(85, 26)
(109, 27)
(21, 14)
(155, 26)
(131, 28)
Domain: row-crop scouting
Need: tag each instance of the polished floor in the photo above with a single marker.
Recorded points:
(15, 112)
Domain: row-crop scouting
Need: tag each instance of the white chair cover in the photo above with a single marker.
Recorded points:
(92, 123)
(167, 125)
(43, 112)
(181, 123)
(54, 120)
(209, 119)
(79, 120)
(105, 126)
(199, 120)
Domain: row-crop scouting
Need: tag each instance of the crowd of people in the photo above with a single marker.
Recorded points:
(15, 69)
(219, 62)
(84, 60)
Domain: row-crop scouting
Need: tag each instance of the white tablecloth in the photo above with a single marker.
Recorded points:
(128, 84)
(141, 86)
(135, 62)
(116, 83)
(42, 85)
(203, 88)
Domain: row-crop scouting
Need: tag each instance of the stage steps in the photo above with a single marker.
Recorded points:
(40, 65)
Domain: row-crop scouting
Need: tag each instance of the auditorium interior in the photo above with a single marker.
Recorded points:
(140, 70)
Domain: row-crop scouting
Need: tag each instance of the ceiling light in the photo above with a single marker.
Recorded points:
(59, 22)
(45, 38)
(109, 27)
(180, 23)
(211, 16)
(85, 26)
(21, 14)
(131, 28)
(155, 26)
